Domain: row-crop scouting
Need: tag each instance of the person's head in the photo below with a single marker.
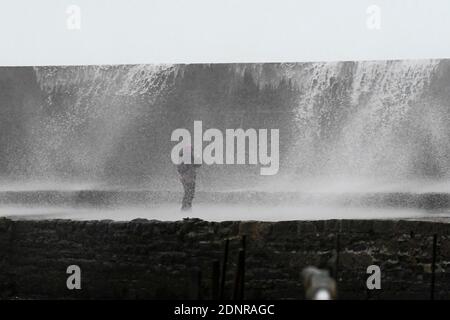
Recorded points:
(189, 152)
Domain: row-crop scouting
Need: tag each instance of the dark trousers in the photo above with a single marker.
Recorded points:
(189, 191)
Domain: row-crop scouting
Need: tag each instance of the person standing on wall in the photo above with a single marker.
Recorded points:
(187, 172)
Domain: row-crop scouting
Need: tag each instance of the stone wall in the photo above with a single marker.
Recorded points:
(157, 260)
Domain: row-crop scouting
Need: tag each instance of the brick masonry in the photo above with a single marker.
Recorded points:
(144, 259)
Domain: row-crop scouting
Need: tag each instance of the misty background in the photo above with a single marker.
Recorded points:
(342, 124)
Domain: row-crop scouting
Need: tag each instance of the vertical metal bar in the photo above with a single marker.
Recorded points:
(238, 277)
(242, 279)
(433, 267)
(215, 280)
(238, 292)
(224, 269)
(338, 250)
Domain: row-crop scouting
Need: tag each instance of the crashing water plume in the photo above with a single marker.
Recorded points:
(384, 120)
